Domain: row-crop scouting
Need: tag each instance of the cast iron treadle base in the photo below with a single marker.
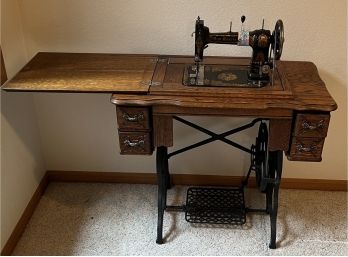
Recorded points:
(215, 206)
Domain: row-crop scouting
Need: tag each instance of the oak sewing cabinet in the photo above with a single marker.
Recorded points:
(148, 93)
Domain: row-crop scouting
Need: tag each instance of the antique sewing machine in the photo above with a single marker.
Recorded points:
(292, 110)
(267, 47)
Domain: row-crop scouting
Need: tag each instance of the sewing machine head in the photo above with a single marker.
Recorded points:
(263, 43)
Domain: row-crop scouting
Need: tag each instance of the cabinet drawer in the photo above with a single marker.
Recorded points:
(306, 149)
(312, 125)
(133, 118)
(135, 143)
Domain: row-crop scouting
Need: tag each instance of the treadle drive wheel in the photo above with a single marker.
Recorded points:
(278, 35)
(261, 157)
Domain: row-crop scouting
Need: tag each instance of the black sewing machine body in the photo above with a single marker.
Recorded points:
(260, 71)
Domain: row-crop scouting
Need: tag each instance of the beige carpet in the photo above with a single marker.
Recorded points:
(120, 219)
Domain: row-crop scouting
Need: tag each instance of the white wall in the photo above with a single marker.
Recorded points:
(79, 131)
(22, 166)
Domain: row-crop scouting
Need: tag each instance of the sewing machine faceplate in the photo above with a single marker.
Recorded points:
(219, 76)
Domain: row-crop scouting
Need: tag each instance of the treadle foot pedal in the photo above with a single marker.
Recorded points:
(215, 206)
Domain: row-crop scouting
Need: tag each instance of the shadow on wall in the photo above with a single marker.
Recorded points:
(22, 166)
(20, 143)
(333, 84)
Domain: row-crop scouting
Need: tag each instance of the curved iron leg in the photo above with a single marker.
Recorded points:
(162, 170)
(167, 175)
(277, 159)
(270, 186)
(269, 198)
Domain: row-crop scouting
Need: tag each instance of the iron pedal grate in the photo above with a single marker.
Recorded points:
(215, 206)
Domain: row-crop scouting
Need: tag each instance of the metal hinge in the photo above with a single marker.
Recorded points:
(149, 83)
(155, 60)
(163, 60)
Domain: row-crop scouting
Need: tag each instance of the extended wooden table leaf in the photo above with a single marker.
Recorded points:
(74, 72)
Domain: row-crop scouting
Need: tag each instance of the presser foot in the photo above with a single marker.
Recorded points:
(194, 75)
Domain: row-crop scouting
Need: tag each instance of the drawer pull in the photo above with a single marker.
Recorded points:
(301, 148)
(306, 125)
(134, 143)
(135, 118)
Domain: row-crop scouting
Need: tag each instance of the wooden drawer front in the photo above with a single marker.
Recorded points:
(306, 149)
(312, 125)
(135, 143)
(133, 118)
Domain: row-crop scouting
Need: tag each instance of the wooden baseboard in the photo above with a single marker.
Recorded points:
(314, 184)
(150, 178)
(24, 219)
(189, 179)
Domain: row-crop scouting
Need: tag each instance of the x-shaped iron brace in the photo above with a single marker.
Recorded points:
(214, 136)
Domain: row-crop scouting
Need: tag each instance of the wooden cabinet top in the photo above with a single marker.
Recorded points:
(73, 72)
(158, 80)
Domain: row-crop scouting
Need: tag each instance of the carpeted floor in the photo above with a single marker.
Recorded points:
(120, 219)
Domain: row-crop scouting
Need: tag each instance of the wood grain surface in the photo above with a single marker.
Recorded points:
(279, 134)
(298, 87)
(157, 82)
(73, 72)
(163, 130)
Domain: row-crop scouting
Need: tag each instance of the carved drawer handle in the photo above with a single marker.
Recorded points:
(302, 148)
(306, 125)
(134, 143)
(135, 118)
